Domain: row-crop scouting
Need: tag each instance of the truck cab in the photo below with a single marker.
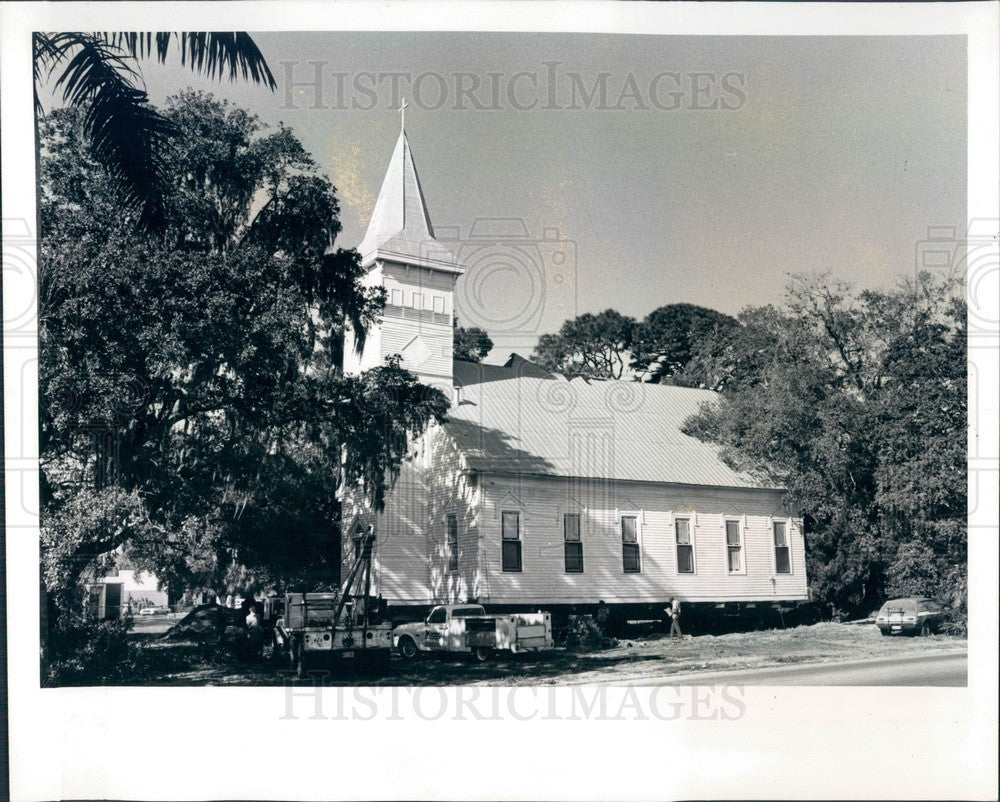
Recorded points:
(439, 632)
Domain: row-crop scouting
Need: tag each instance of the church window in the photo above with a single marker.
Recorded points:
(734, 547)
(452, 524)
(439, 304)
(782, 552)
(397, 298)
(510, 524)
(572, 544)
(418, 300)
(685, 548)
(630, 544)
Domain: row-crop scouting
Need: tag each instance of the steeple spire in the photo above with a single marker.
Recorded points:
(400, 228)
(402, 116)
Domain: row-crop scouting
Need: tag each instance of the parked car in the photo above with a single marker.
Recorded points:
(913, 615)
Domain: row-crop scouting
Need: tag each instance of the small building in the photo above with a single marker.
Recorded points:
(545, 491)
(111, 596)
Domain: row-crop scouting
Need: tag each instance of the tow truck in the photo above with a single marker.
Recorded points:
(470, 629)
(313, 629)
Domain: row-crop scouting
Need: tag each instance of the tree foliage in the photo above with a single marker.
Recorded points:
(595, 346)
(192, 408)
(857, 404)
(667, 340)
(472, 344)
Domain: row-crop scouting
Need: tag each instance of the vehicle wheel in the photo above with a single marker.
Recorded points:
(926, 628)
(883, 631)
(482, 654)
(408, 648)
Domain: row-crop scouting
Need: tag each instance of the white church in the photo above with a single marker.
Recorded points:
(546, 492)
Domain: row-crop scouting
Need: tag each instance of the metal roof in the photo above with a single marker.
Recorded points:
(514, 420)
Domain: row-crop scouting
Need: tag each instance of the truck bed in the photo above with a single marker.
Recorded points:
(509, 632)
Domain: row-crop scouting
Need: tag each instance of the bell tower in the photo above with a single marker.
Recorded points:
(401, 255)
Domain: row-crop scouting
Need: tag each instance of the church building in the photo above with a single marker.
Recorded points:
(542, 491)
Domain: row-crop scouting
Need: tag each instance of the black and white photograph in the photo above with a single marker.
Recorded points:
(393, 389)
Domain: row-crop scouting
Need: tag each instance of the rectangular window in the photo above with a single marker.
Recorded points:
(418, 300)
(397, 298)
(452, 522)
(439, 304)
(685, 549)
(572, 544)
(782, 552)
(734, 546)
(630, 544)
(510, 524)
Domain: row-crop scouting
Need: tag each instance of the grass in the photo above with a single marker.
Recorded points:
(190, 664)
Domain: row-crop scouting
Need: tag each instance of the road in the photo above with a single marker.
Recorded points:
(937, 670)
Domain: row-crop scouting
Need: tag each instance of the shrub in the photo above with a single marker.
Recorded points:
(87, 653)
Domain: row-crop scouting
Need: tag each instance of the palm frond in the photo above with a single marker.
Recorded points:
(229, 54)
(126, 134)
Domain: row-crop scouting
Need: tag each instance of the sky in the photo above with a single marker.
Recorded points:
(709, 171)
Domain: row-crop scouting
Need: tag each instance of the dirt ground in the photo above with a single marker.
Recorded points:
(183, 663)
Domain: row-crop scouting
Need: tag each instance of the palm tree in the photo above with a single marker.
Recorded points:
(99, 72)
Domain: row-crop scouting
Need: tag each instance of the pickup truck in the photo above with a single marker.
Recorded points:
(467, 628)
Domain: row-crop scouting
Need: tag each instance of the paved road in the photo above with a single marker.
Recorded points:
(940, 670)
(154, 624)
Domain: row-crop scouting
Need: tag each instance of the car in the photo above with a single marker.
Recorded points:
(147, 611)
(913, 615)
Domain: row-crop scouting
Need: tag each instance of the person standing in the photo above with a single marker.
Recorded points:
(675, 617)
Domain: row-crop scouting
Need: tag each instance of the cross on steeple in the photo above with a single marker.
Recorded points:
(402, 115)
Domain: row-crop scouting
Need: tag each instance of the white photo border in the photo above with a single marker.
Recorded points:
(789, 742)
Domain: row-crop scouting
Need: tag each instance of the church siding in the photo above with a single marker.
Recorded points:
(401, 567)
(410, 560)
(426, 348)
(543, 501)
(402, 281)
(411, 556)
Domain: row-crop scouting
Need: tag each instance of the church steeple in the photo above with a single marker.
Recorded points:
(400, 218)
(418, 274)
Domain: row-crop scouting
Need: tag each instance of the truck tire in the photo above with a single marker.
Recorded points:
(482, 654)
(408, 648)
